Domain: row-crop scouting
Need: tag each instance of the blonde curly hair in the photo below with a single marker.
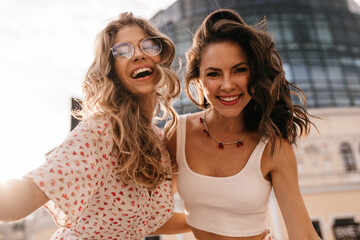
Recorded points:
(133, 134)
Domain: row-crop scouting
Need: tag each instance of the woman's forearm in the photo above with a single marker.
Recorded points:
(175, 225)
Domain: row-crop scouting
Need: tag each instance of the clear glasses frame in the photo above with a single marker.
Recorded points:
(124, 51)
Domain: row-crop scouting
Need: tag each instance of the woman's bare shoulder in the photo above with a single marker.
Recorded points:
(279, 153)
(193, 120)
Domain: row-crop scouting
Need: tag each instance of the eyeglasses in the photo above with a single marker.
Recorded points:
(124, 51)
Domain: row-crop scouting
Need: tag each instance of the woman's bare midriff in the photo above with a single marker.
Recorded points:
(203, 235)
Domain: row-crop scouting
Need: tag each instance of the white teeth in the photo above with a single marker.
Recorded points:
(141, 70)
(229, 99)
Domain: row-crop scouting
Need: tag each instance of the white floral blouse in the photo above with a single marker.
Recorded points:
(87, 198)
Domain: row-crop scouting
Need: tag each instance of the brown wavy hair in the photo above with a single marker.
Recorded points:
(135, 139)
(270, 112)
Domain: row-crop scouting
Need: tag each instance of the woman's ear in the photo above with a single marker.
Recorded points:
(200, 90)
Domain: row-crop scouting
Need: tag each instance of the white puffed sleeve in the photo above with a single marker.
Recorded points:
(71, 173)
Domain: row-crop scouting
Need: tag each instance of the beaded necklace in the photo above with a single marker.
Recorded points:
(220, 143)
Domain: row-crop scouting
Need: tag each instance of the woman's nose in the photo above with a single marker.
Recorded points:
(138, 53)
(227, 83)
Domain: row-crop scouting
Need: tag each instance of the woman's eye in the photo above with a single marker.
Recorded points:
(212, 74)
(240, 70)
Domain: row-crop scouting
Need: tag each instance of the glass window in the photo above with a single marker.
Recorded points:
(315, 3)
(324, 34)
(357, 62)
(276, 35)
(354, 37)
(335, 73)
(309, 95)
(356, 98)
(342, 99)
(318, 75)
(310, 45)
(337, 4)
(300, 73)
(324, 98)
(274, 28)
(288, 34)
(305, 33)
(346, 60)
(224, 3)
(339, 35)
(313, 56)
(341, 48)
(286, 17)
(352, 76)
(317, 227)
(349, 23)
(272, 17)
(238, 3)
(335, 19)
(303, 86)
(325, 102)
(297, 57)
(338, 86)
(348, 157)
(355, 49)
(288, 72)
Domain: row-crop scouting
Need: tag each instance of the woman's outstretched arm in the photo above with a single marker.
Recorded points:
(19, 198)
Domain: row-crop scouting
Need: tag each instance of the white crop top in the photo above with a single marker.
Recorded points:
(234, 206)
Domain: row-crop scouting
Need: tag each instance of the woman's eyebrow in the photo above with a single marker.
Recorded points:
(212, 69)
(218, 69)
(239, 64)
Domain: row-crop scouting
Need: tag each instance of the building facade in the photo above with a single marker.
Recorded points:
(318, 41)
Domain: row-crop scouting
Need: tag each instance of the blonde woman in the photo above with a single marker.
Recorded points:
(110, 178)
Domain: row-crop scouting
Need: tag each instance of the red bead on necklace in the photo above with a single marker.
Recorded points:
(221, 144)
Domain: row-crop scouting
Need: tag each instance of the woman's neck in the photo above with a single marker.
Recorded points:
(216, 120)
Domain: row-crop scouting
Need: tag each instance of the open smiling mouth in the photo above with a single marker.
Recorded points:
(229, 99)
(142, 72)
